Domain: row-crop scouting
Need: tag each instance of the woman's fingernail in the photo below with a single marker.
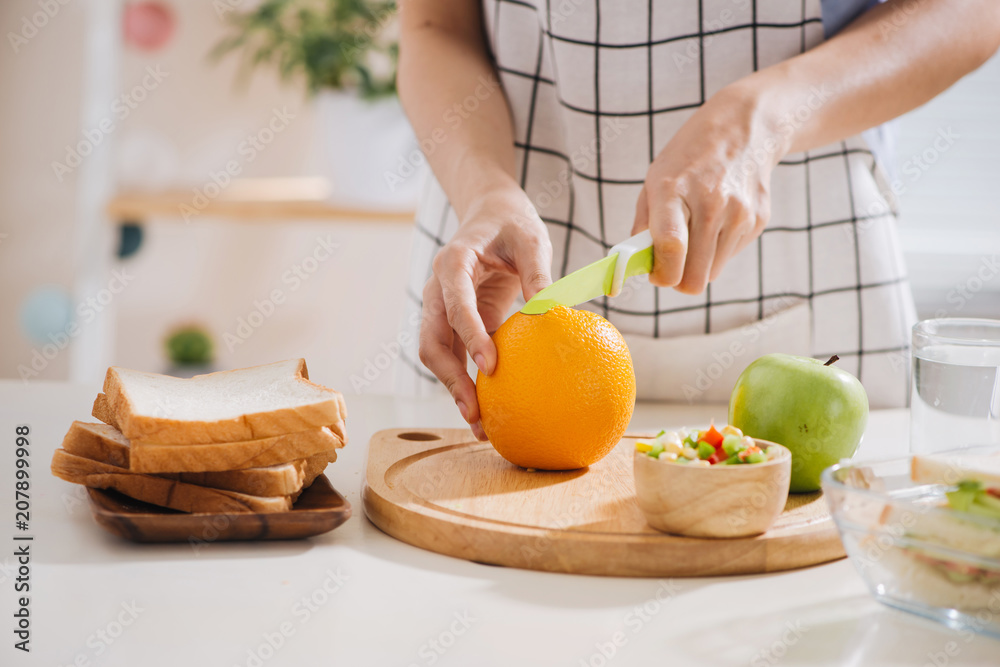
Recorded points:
(478, 430)
(480, 363)
(464, 410)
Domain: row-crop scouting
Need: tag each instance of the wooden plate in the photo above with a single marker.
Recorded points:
(318, 510)
(440, 489)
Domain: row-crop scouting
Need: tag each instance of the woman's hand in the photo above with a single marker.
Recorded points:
(706, 195)
(500, 250)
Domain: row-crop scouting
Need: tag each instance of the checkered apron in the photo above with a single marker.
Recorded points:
(596, 89)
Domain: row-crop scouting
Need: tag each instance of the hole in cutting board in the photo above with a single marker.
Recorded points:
(418, 436)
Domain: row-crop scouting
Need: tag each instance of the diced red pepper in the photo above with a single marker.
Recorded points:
(994, 492)
(712, 437)
(718, 456)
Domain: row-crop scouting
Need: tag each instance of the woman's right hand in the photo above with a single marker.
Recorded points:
(501, 248)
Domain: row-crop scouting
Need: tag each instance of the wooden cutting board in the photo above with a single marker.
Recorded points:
(440, 489)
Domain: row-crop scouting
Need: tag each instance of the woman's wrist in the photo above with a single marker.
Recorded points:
(507, 207)
(497, 196)
(773, 115)
(478, 177)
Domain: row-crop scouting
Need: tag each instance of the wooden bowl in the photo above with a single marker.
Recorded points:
(720, 501)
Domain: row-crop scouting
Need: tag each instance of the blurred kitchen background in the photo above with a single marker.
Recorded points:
(147, 243)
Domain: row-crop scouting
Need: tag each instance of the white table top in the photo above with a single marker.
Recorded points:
(399, 605)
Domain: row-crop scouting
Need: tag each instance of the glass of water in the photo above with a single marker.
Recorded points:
(955, 393)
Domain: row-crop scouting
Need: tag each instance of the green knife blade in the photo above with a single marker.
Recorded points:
(588, 283)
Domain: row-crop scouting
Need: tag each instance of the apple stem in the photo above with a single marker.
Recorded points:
(834, 359)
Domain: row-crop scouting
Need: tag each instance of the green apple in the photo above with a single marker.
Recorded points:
(816, 410)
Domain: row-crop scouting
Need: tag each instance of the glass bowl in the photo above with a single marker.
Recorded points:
(912, 553)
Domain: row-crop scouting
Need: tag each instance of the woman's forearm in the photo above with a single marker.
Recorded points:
(452, 96)
(892, 59)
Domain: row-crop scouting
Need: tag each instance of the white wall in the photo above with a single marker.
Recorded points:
(39, 103)
(218, 274)
(951, 205)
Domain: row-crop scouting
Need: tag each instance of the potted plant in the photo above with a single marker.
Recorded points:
(345, 51)
(190, 349)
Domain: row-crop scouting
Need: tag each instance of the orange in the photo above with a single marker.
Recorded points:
(562, 392)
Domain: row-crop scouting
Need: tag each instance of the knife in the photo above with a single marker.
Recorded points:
(604, 277)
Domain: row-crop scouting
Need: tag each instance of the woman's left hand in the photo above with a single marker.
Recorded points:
(706, 195)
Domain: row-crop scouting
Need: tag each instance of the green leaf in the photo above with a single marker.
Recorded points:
(325, 42)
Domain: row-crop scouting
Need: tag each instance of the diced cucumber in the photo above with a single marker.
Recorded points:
(732, 444)
(989, 500)
(961, 498)
(983, 507)
(959, 577)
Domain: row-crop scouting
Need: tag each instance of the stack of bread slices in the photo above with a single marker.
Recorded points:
(248, 440)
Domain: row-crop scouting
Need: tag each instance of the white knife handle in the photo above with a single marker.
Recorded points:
(625, 250)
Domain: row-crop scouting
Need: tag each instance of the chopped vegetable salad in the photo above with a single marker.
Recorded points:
(704, 448)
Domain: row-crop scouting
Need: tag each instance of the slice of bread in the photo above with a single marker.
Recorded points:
(228, 406)
(106, 444)
(161, 491)
(99, 442)
(928, 582)
(150, 457)
(954, 530)
(950, 468)
(295, 477)
(102, 411)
